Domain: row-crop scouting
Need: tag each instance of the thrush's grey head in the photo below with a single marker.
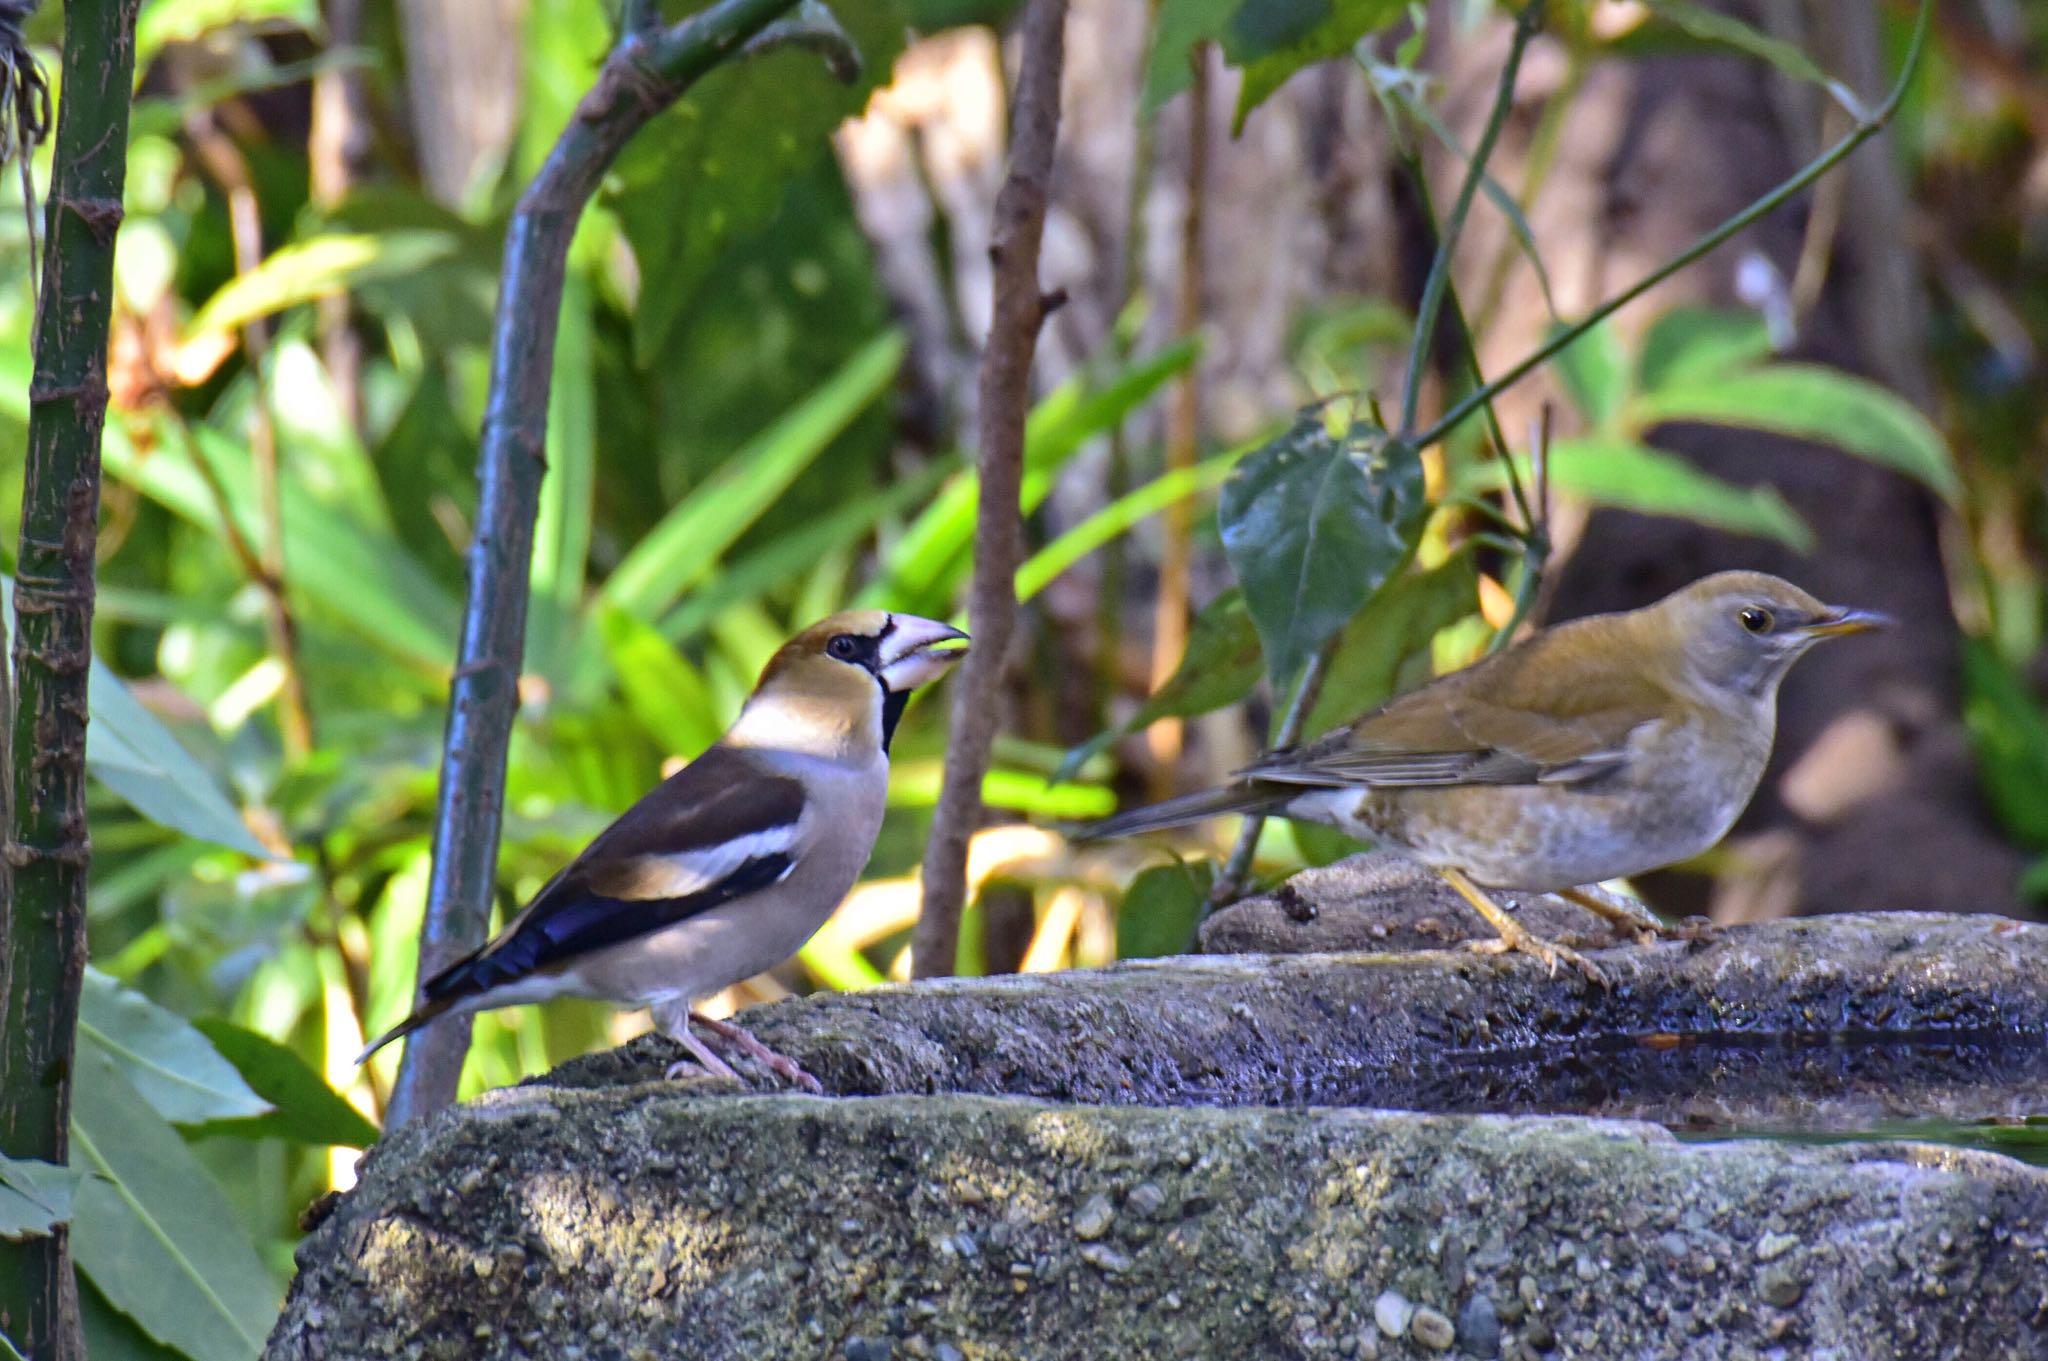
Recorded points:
(1742, 631)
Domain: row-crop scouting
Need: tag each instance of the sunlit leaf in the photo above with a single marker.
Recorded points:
(1691, 344)
(153, 1230)
(1313, 523)
(2009, 737)
(318, 268)
(561, 531)
(174, 1067)
(1162, 908)
(663, 690)
(35, 1196)
(1044, 567)
(129, 749)
(1630, 476)
(915, 784)
(305, 1109)
(1181, 24)
(1813, 402)
(1219, 666)
(1396, 625)
(1595, 374)
(1344, 22)
(683, 548)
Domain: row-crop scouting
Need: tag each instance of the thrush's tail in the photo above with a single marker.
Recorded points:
(1246, 797)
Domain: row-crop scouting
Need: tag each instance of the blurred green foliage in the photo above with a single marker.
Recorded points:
(725, 464)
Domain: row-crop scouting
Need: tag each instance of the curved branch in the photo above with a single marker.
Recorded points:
(648, 71)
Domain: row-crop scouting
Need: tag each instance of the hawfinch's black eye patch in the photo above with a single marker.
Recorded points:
(854, 649)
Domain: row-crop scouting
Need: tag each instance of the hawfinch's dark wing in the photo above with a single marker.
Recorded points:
(722, 827)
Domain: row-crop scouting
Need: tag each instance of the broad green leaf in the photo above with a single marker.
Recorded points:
(1629, 476)
(683, 548)
(1813, 402)
(665, 693)
(1219, 666)
(175, 1068)
(128, 749)
(925, 566)
(1162, 908)
(1343, 24)
(153, 1230)
(305, 1110)
(1725, 30)
(1595, 374)
(2009, 736)
(1692, 344)
(1396, 625)
(318, 268)
(111, 1335)
(9, 1352)
(1180, 26)
(716, 166)
(35, 1196)
(1313, 523)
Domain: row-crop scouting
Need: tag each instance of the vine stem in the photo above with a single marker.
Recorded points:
(1865, 129)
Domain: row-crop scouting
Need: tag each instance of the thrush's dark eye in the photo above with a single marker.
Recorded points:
(1756, 620)
(844, 646)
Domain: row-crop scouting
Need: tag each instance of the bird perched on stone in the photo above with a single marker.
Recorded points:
(727, 867)
(1601, 748)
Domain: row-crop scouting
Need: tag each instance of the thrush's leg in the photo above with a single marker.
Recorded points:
(1626, 913)
(701, 1055)
(1513, 935)
(781, 1065)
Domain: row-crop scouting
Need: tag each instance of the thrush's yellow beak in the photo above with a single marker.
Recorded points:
(1840, 620)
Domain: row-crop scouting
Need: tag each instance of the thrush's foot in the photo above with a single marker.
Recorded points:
(1512, 935)
(784, 1067)
(1626, 913)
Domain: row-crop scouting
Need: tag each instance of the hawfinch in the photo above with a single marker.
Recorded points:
(727, 867)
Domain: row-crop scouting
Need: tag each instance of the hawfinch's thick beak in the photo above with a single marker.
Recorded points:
(1841, 620)
(918, 651)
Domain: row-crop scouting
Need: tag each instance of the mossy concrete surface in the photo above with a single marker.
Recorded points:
(1167, 1159)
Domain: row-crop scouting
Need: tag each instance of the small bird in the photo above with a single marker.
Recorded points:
(727, 867)
(1601, 748)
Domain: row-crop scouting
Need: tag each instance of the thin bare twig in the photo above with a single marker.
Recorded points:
(1236, 871)
(1003, 398)
(648, 70)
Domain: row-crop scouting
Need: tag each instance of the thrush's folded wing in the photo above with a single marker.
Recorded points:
(720, 828)
(1535, 715)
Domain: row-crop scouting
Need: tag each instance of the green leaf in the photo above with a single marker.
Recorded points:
(153, 1230)
(1725, 30)
(2009, 737)
(716, 166)
(561, 532)
(1313, 523)
(318, 268)
(1219, 666)
(1595, 374)
(667, 695)
(915, 784)
(1180, 26)
(926, 565)
(128, 749)
(175, 1068)
(688, 542)
(111, 1335)
(1693, 344)
(1812, 402)
(306, 1110)
(1630, 476)
(1162, 908)
(1044, 567)
(9, 1352)
(1397, 624)
(35, 1197)
(1347, 21)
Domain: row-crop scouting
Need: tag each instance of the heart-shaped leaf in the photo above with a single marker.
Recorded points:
(1313, 524)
